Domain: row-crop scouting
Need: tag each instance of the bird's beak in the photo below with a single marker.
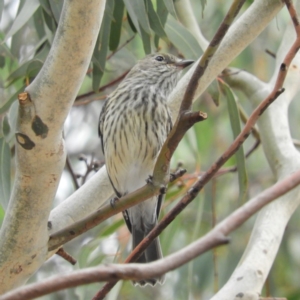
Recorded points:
(184, 63)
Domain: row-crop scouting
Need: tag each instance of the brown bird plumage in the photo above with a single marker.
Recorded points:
(133, 125)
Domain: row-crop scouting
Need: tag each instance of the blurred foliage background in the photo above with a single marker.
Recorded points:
(131, 29)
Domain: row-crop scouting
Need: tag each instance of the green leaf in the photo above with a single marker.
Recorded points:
(46, 6)
(25, 69)
(25, 14)
(116, 25)
(154, 20)
(5, 126)
(236, 129)
(182, 39)
(50, 24)
(1, 8)
(138, 14)
(132, 26)
(146, 41)
(171, 8)
(214, 91)
(112, 228)
(162, 13)
(11, 100)
(56, 7)
(2, 61)
(4, 173)
(1, 215)
(38, 22)
(203, 4)
(101, 49)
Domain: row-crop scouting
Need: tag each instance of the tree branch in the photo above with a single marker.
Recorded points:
(284, 159)
(40, 153)
(110, 272)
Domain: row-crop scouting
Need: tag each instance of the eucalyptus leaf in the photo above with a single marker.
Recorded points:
(112, 228)
(5, 126)
(4, 173)
(25, 14)
(182, 39)
(203, 4)
(146, 41)
(38, 22)
(132, 26)
(138, 14)
(154, 20)
(214, 92)
(2, 61)
(56, 8)
(46, 6)
(11, 100)
(171, 8)
(101, 49)
(116, 25)
(162, 13)
(1, 8)
(236, 129)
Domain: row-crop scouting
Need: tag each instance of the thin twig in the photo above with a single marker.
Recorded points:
(73, 175)
(62, 253)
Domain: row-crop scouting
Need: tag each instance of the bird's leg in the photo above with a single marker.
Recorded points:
(113, 201)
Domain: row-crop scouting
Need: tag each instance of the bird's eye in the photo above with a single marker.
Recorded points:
(159, 58)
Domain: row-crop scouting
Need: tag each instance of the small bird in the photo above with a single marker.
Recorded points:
(134, 123)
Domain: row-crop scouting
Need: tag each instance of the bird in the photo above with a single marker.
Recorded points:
(133, 125)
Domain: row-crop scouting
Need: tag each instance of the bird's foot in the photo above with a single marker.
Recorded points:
(149, 180)
(113, 201)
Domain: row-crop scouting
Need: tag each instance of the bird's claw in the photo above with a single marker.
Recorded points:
(149, 180)
(113, 201)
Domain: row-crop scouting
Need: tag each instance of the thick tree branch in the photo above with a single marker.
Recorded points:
(40, 153)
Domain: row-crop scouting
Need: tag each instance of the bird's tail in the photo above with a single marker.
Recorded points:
(153, 252)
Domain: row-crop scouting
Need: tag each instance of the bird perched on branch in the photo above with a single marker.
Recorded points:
(133, 125)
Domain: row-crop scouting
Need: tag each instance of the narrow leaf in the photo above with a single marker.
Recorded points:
(154, 20)
(214, 92)
(182, 39)
(111, 228)
(5, 126)
(162, 13)
(146, 41)
(4, 173)
(132, 26)
(101, 49)
(25, 14)
(116, 25)
(5, 107)
(1, 8)
(236, 129)
(171, 8)
(56, 8)
(138, 14)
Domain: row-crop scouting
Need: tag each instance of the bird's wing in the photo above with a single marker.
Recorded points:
(101, 124)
